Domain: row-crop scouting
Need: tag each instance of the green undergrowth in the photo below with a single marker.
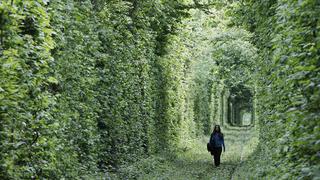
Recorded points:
(256, 166)
(194, 162)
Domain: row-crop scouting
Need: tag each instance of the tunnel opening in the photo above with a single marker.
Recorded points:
(238, 107)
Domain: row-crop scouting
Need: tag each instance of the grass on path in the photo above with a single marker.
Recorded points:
(197, 163)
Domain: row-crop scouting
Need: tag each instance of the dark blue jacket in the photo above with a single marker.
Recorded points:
(217, 140)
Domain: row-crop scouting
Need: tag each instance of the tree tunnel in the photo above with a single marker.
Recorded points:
(240, 110)
(97, 88)
(235, 106)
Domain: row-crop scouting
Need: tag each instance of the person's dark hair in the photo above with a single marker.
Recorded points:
(217, 129)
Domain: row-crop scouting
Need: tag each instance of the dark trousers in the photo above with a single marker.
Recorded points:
(216, 155)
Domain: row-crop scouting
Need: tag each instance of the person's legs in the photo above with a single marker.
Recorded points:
(218, 155)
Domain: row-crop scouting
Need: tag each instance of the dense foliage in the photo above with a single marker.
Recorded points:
(27, 124)
(89, 88)
(287, 35)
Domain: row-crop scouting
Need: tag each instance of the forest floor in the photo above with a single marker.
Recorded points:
(197, 163)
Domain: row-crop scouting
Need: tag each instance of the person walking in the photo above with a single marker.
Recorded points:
(216, 143)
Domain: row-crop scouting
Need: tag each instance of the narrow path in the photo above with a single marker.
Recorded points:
(244, 139)
(197, 163)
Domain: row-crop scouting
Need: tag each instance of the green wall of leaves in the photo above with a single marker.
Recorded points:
(288, 94)
(87, 86)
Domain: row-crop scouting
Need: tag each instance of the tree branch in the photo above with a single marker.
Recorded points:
(35, 138)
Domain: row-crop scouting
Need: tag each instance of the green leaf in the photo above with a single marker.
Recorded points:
(53, 80)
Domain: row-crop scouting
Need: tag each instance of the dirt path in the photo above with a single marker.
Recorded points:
(198, 164)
